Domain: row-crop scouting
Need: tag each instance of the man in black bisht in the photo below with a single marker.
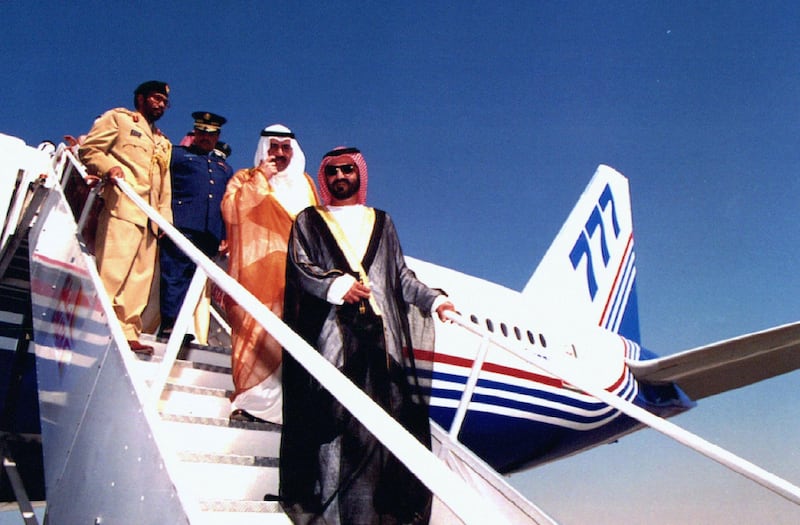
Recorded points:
(350, 295)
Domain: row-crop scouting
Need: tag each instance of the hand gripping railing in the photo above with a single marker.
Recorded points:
(753, 472)
(464, 501)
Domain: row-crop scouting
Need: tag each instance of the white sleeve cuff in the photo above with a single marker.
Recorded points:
(339, 287)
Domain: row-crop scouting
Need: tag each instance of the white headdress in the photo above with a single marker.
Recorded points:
(298, 164)
(289, 185)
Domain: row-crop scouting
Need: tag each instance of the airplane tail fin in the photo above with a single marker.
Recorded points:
(589, 271)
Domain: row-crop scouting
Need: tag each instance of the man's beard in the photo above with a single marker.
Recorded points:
(152, 115)
(342, 189)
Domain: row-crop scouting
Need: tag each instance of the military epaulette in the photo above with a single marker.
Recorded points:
(134, 115)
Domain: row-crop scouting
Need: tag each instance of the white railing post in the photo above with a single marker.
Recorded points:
(179, 329)
(469, 388)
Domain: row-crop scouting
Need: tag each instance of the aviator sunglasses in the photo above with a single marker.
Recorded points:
(347, 169)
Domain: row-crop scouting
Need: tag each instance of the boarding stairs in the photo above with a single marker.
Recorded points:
(230, 466)
(131, 439)
(138, 439)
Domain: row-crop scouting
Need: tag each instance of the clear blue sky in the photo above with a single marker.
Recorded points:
(482, 122)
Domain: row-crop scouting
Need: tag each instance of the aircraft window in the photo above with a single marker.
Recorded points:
(541, 338)
(518, 333)
(473, 318)
(504, 329)
(531, 338)
(490, 325)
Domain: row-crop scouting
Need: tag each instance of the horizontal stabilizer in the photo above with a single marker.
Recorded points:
(726, 365)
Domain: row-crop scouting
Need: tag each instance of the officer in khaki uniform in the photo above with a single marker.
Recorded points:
(124, 144)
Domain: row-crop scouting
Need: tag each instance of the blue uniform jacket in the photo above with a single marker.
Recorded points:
(198, 184)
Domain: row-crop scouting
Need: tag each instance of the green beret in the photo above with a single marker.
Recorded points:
(152, 86)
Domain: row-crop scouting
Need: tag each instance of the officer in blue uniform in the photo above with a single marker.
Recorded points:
(199, 178)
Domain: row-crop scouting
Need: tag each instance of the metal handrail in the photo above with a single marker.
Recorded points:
(19, 201)
(438, 478)
(453, 492)
(729, 460)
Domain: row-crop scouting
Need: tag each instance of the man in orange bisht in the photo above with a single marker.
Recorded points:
(259, 207)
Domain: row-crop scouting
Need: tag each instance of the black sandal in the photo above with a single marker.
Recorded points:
(244, 416)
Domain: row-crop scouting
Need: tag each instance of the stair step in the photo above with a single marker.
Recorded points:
(227, 481)
(219, 436)
(229, 466)
(15, 284)
(228, 459)
(210, 355)
(192, 400)
(225, 505)
(243, 518)
(226, 512)
(192, 351)
(196, 390)
(188, 373)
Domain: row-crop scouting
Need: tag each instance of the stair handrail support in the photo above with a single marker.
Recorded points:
(469, 388)
(176, 338)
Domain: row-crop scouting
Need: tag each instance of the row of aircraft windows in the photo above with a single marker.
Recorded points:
(505, 331)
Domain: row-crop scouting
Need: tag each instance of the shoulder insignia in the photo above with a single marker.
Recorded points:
(132, 114)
